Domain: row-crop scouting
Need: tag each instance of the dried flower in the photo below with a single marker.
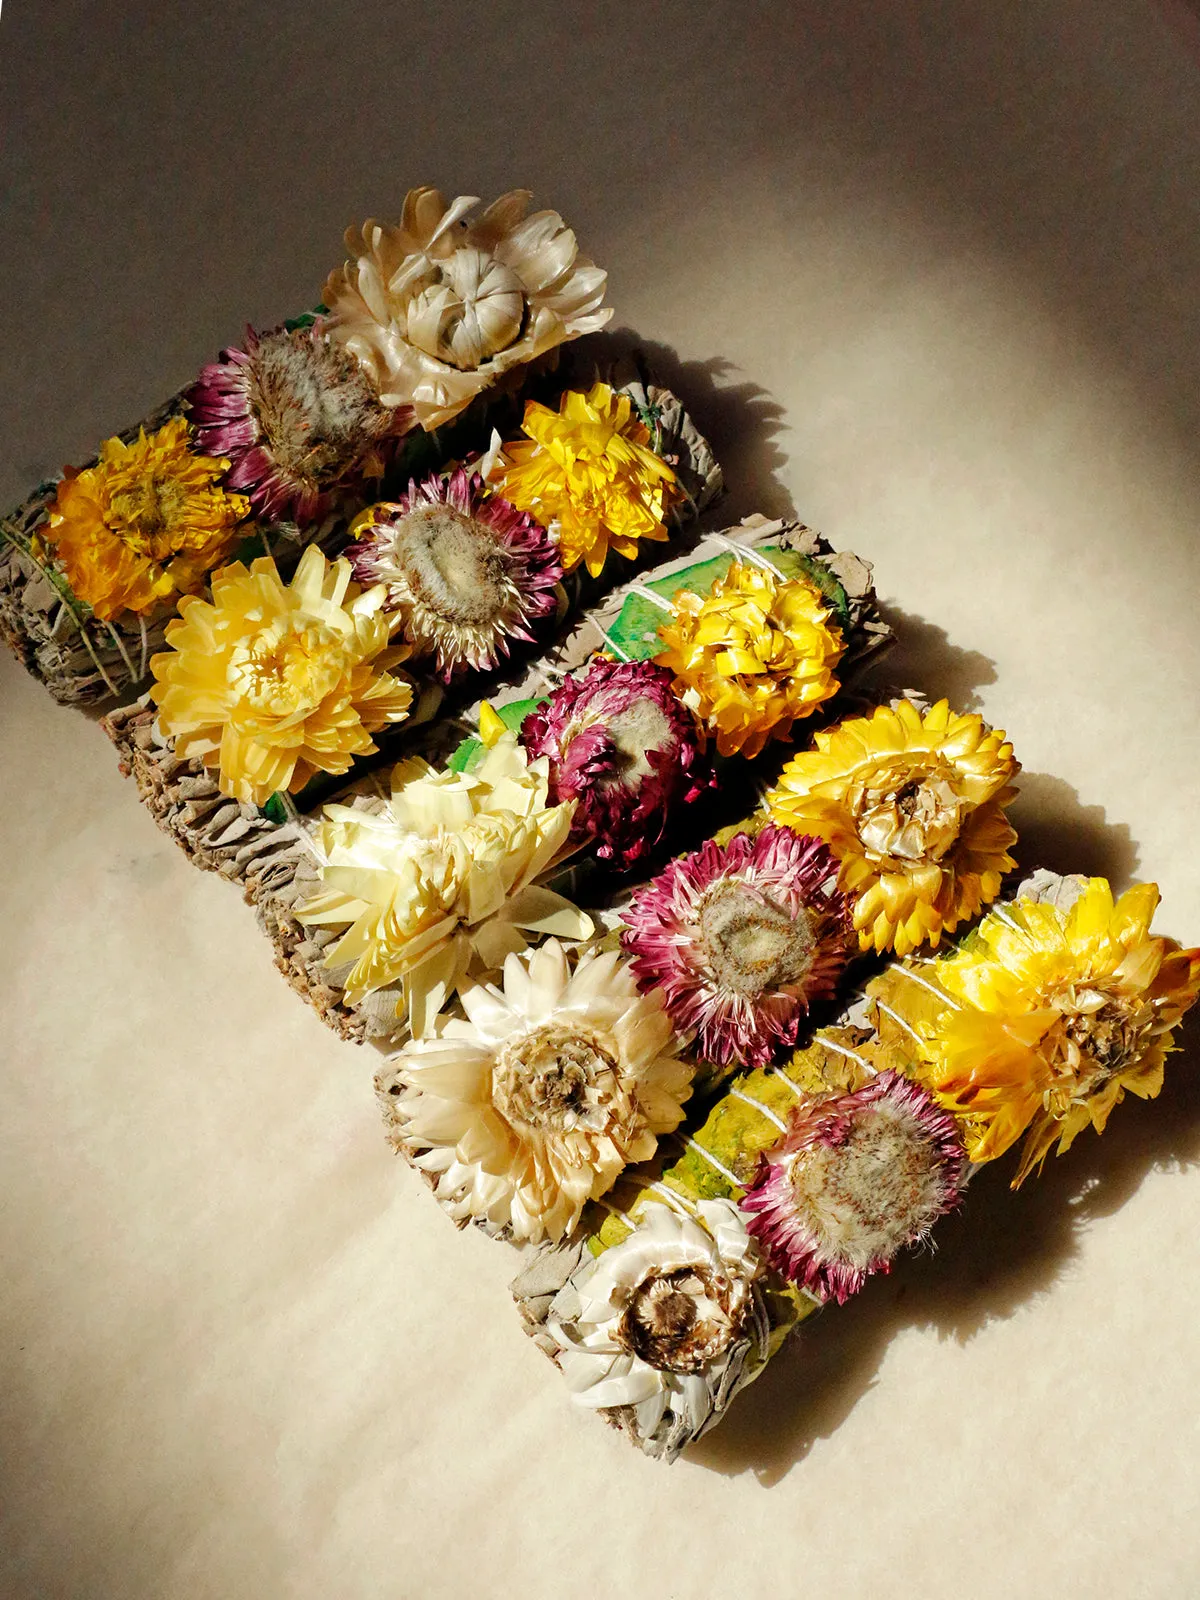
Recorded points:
(1043, 1019)
(855, 1179)
(623, 748)
(670, 1323)
(443, 877)
(740, 939)
(586, 472)
(752, 656)
(437, 308)
(913, 807)
(273, 682)
(533, 1104)
(464, 572)
(147, 521)
(296, 416)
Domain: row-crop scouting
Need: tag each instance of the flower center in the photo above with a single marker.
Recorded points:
(146, 513)
(557, 1078)
(453, 564)
(869, 1184)
(633, 734)
(913, 818)
(1099, 1035)
(680, 1321)
(753, 944)
(314, 406)
(286, 670)
(470, 307)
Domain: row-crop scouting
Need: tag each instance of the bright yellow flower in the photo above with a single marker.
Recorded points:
(752, 656)
(587, 474)
(1043, 1019)
(442, 878)
(273, 682)
(912, 804)
(145, 522)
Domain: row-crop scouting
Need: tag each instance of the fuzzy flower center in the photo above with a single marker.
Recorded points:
(314, 406)
(146, 513)
(681, 1321)
(753, 944)
(869, 1183)
(286, 669)
(906, 815)
(452, 564)
(1099, 1035)
(556, 1079)
(632, 734)
(470, 307)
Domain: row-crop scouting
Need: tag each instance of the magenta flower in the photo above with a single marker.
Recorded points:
(740, 940)
(625, 749)
(855, 1179)
(465, 571)
(296, 417)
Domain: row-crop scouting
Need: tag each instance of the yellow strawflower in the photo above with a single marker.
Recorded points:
(587, 474)
(752, 656)
(147, 521)
(1044, 1019)
(271, 683)
(912, 804)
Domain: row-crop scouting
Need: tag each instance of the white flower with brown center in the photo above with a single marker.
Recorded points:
(531, 1105)
(666, 1325)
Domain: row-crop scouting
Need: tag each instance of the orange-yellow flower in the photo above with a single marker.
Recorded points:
(272, 683)
(145, 522)
(587, 473)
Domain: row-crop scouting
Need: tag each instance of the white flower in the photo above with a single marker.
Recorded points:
(534, 1103)
(669, 1323)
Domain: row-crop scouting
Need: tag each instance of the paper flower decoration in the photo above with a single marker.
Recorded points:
(147, 521)
(752, 656)
(669, 1320)
(912, 805)
(586, 472)
(1044, 1019)
(296, 416)
(464, 572)
(856, 1178)
(271, 683)
(442, 877)
(622, 747)
(740, 939)
(531, 1106)
(437, 308)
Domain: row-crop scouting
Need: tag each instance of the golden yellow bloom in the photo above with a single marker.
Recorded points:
(273, 682)
(1043, 1019)
(442, 879)
(145, 522)
(912, 804)
(752, 656)
(587, 474)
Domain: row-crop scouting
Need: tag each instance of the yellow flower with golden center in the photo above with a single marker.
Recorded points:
(1044, 1019)
(752, 656)
(145, 522)
(587, 474)
(272, 683)
(912, 804)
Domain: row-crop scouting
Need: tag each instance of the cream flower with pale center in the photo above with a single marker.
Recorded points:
(531, 1105)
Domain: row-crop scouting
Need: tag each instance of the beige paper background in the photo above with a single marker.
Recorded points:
(931, 273)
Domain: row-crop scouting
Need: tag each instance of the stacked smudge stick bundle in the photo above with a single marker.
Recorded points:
(696, 973)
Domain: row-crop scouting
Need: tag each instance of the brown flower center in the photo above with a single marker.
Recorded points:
(147, 515)
(753, 944)
(557, 1078)
(314, 405)
(454, 565)
(680, 1321)
(1099, 1035)
(286, 670)
(908, 816)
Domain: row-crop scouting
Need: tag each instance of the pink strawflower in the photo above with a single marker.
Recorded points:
(466, 572)
(624, 749)
(740, 939)
(857, 1177)
(296, 417)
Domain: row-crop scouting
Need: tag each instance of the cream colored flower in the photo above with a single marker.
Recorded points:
(442, 879)
(534, 1103)
(437, 308)
(670, 1322)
